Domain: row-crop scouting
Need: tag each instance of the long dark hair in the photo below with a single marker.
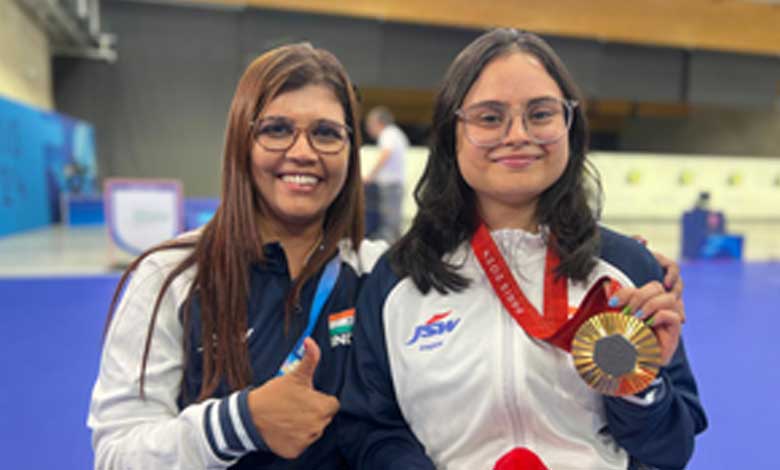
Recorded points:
(447, 215)
(231, 242)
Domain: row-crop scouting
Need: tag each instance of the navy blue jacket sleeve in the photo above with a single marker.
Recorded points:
(373, 434)
(660, 434)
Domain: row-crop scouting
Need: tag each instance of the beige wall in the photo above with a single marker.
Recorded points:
(25, 65)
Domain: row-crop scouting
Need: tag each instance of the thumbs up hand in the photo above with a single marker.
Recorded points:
(288, 412)
(303, 373)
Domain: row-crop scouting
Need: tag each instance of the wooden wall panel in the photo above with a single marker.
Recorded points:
(726, 25)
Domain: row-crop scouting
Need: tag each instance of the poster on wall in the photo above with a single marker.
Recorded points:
(141, 213)
(42, 156)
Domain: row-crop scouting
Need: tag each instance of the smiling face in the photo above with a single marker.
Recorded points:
(516, 171)
(298, 185)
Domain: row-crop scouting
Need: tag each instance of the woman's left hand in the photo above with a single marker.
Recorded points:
(672, 279)
(663, 311)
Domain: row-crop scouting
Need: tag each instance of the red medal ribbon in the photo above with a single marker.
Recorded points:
(553, 325)
(556, 304)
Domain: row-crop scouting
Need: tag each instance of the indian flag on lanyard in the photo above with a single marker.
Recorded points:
(340, 326)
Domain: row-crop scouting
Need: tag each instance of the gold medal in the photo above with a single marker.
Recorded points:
(616, 354)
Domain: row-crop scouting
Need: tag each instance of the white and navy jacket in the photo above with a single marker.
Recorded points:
(451, 382)
(167, 430)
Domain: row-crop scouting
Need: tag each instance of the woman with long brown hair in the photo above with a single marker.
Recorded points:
(228, 344)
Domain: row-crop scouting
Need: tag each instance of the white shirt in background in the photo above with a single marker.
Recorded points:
(393, 139)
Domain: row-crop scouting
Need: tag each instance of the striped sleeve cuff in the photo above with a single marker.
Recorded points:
(654, 393)
(230, 431)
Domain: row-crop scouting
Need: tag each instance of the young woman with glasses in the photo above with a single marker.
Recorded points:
(228, 345)
(454, 360)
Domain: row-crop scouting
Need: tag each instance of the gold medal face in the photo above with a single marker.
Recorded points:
(616, 354)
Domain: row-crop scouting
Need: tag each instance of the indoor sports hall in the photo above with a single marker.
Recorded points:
(113, 120)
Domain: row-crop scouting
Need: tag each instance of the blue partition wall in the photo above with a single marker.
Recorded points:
(42, 155)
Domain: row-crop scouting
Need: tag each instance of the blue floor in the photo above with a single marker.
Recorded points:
(50, 331)
(50, 338)
(732, 339)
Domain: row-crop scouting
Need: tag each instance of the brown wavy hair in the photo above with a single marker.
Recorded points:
(231, 242)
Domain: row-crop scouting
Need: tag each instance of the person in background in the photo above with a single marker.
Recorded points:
(702, 201)
(228, 347)
(388, 171)
(450, 365)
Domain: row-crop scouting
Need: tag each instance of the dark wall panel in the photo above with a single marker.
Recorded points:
(354, 42)
(582, 59)
(734, 80)
(159, 111)
(640, 74)
(415, 56)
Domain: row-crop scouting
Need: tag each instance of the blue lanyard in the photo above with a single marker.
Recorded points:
(324, 288)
